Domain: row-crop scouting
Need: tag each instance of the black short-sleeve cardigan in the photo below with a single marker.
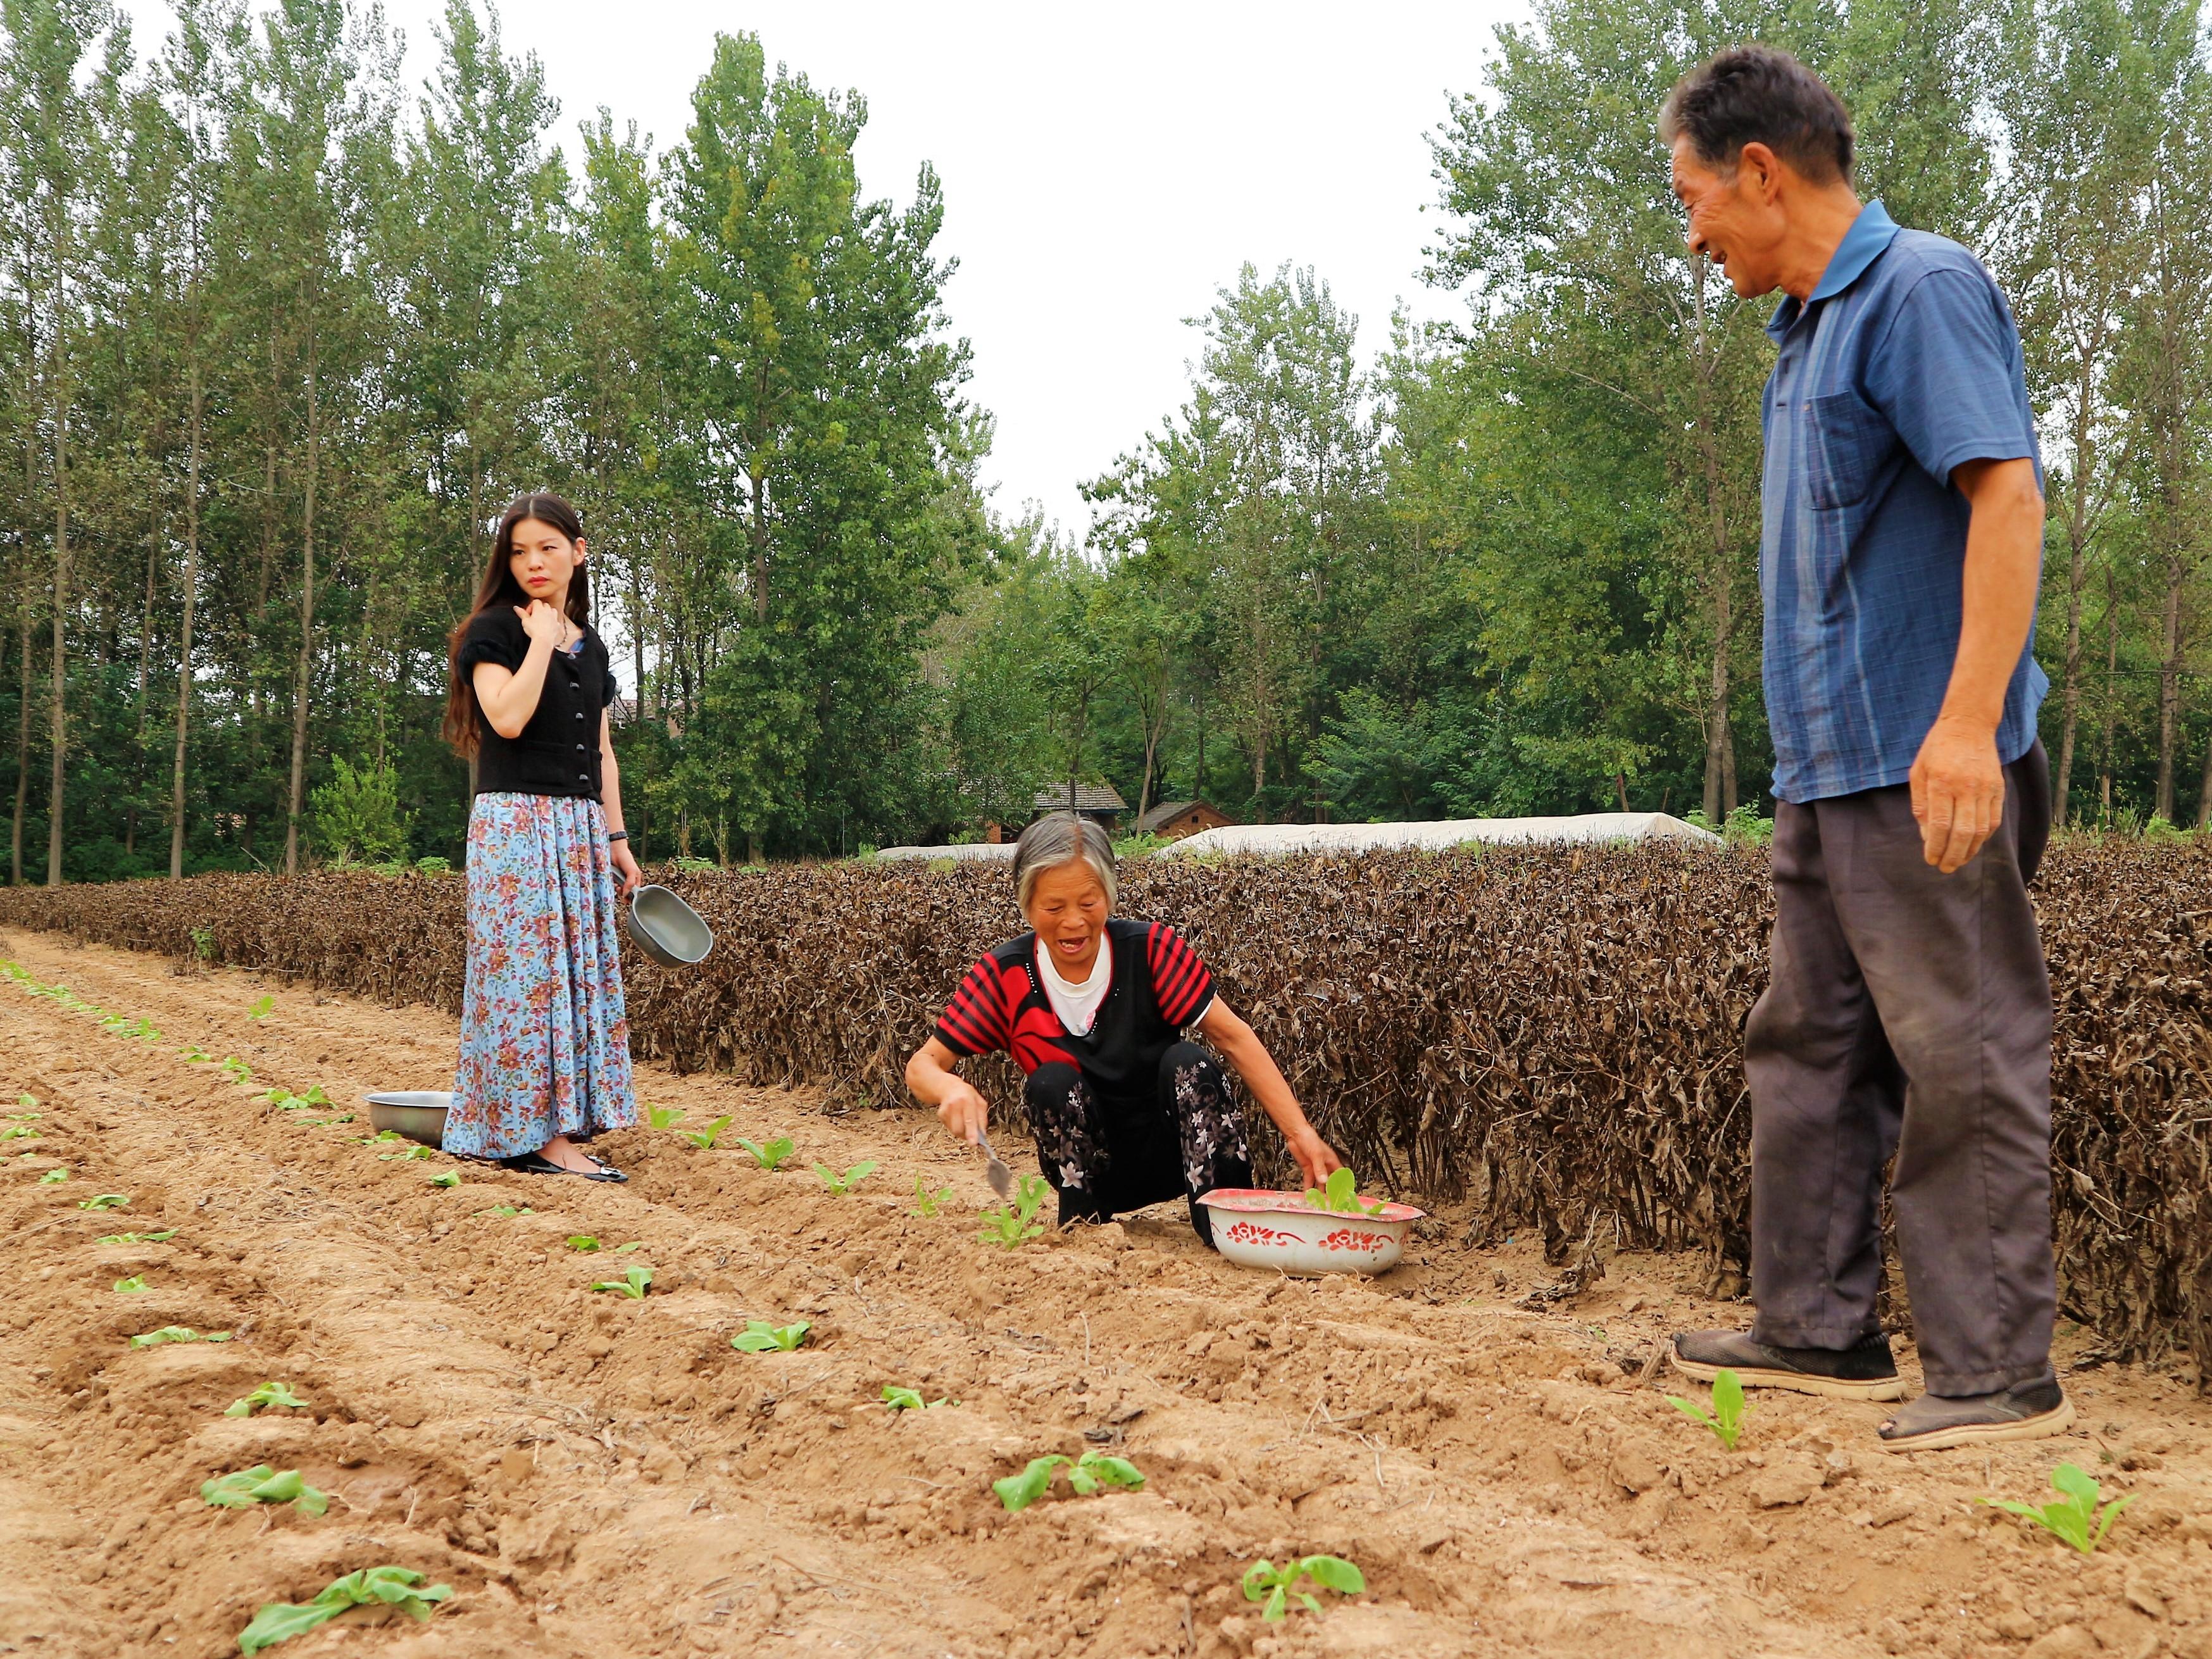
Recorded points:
(558, 752)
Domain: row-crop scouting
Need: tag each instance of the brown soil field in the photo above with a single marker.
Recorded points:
(600, 1477)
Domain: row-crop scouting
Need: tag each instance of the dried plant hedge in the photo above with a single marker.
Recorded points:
(1553, 1036)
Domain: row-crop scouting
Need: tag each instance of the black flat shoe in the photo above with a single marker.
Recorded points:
(538, 1163)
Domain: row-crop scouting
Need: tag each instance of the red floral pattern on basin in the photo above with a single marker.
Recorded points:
(1280, 1232)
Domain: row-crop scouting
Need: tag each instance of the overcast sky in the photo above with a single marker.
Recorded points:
(1105, 167)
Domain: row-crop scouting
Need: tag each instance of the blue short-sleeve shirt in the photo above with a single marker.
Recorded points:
(1903, 364)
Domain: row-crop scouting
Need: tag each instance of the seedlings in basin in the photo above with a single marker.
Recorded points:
(770, 1153)
(132, 1286)
(926, 1202)
(395, 1587)
(1341, 1195)
(176, 1334)
(631, 1283)
(910, 1400)
(1017, 1224)
(2073, 1517)
(704, 1139)
(263, 1485)
(663, 1117)
(583, 1241)
(105, 1202)
(760, 1337)
(260, 1010)
(446, 1177)
(1726, 1418)
(840, 1185)
(161, 1237)
(1278, 1587)
(268, 1394)
(53, 1177)
(1086, 1476)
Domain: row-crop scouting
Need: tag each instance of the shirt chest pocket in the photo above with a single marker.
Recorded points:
(1846, 444)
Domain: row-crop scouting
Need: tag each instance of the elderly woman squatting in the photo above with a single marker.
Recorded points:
(1126, 1112)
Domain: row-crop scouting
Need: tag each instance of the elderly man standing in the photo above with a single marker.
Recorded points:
(1909, 1010)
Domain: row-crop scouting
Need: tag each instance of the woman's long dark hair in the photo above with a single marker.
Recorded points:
(498, 588)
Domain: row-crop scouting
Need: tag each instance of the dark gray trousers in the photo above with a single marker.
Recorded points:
(1909, 1012)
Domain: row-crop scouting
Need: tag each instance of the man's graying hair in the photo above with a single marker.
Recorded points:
(1060, 838)
(1760, 95)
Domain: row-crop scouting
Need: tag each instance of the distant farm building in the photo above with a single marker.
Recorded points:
(1099, 802)
(1171, 820)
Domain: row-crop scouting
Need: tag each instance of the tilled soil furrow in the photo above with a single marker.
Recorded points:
(599, 1474)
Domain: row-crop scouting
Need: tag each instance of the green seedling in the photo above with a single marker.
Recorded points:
(106, 1201)
(236, 1069)
(371, 1140)
(285, 1101)
(2073, 1517)
(770, 1153)
(53, 1177)
(506, 1212)
(910, 1400)
(261, 1009)
(1726, 1418)
(263, 1485)
(204, 943)
(1341, 1193)
(19, 1132)
(193, 1052)
(583, 1241)
(176, 1334)
(1086, 1476)
(663, 1117)
(926, 1202)
(839, 1185)
(411, 1153)
(268, 1394)
(704, 1139)
(634, 1244)
(26, 1106)
(1278, 1587)
(760, 1337)
(631, 1283)
(446, 1178)
(395, 1587)
(1015, 1224)
(132, 1286)
(161, 1237)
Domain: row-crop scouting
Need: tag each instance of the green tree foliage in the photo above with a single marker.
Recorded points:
(279, 335)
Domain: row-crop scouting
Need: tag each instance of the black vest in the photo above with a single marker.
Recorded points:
(558, 752)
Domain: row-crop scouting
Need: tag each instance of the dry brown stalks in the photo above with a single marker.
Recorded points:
(1555, 1038)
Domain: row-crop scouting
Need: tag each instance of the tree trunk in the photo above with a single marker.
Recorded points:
(2107, 737)
(22, 733)
(185, 646)
(2070, 680)
(58, 716)
(2169, 681)
(307, 626)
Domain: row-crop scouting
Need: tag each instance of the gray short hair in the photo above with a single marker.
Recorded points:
(1060, 838)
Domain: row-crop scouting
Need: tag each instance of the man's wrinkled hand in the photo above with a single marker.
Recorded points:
(1958, 792)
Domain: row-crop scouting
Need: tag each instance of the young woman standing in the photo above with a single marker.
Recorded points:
(544, 1059)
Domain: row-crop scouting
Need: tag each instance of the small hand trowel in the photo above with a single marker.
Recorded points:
(996, 1172)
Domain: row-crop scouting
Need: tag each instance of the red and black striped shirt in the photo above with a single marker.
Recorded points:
(1159, 986)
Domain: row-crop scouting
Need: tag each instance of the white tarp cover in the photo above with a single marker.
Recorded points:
(979, 852)
(1264, 839)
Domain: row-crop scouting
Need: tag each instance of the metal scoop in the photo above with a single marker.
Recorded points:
(996, 1172)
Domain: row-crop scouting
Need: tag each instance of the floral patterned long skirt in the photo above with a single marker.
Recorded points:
(544, 1034)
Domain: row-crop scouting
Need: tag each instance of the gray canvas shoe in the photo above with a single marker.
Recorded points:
(2025, 1411)
(1865, 1372)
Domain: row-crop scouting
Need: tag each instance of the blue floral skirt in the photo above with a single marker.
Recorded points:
(544, 1034)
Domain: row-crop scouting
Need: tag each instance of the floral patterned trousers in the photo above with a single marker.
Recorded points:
(1104, 1157)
